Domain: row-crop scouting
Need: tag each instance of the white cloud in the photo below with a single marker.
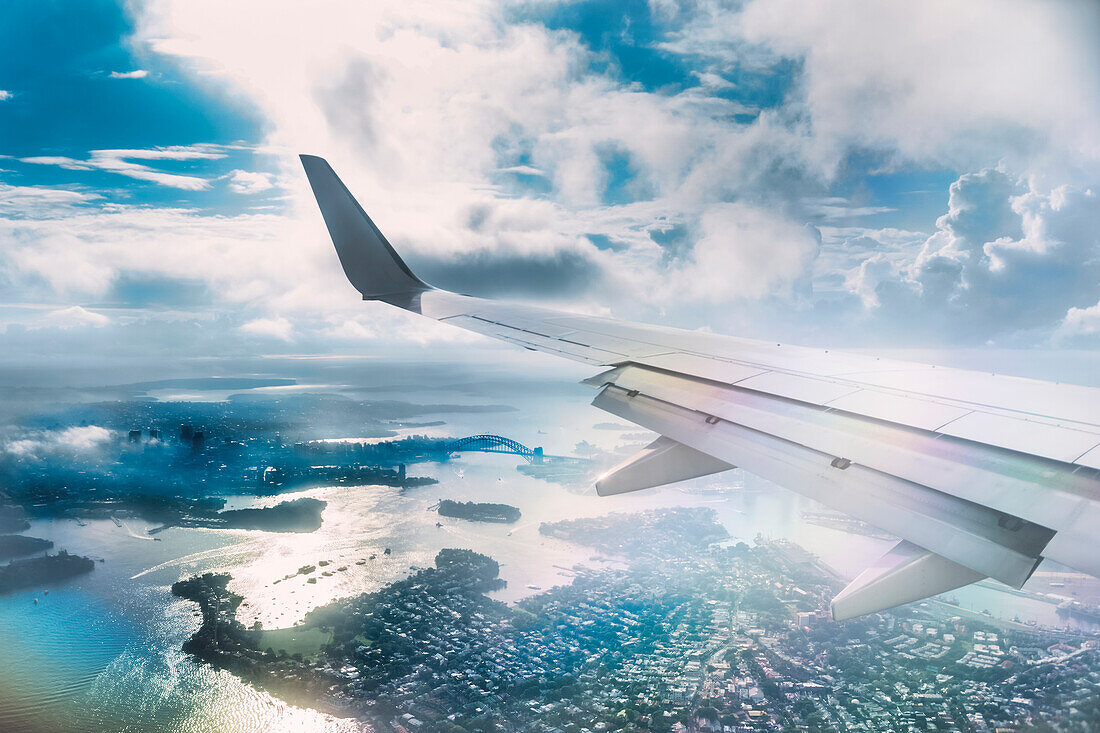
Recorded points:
(1080, 325)
(121, 162)
(746, 253)
(526, 170)
(249, 182)
(962, 85)
(279, 328)
(74, 316)
(5, 95)
(83, 438)
(1006, 257)
(836, 208)
(70, 440)
(428, 111)
(80, 254)
(415, 118)
(39, 201)
(865, 281)
(135, 74)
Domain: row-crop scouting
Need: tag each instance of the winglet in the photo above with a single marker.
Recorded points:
(369, 261)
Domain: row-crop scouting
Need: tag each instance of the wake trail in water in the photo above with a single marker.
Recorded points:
(244, 548)
(134, 534)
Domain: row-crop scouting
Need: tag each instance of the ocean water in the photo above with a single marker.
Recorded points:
(102, 652)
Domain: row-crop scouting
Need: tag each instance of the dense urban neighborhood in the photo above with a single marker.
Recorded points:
(696, 633)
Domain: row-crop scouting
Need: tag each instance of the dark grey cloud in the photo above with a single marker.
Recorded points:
(136, 290)
(562, 274)
(349, 101)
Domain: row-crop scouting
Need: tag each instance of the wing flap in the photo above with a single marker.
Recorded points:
(664, 461)
(906, 573)
(962, 531)
(997, 478)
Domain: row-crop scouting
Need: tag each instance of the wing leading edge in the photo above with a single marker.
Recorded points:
(980, 475)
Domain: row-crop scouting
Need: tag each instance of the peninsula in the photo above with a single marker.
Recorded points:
(35, 571)
(17, 545)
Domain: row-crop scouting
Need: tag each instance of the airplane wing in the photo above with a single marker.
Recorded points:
(980, 475)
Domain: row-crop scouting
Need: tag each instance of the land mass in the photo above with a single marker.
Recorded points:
(38, 570)
(479, 511)
(299, 515)
(13, 519)
(17, 545)
(437, 636)
(376, 626)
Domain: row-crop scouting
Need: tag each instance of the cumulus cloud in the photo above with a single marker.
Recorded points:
(249, 181)
(279, 328)
(865, 281)
(5, 95)
(135, 74)
(1080, 326)
(1005, 257)
(746, 253)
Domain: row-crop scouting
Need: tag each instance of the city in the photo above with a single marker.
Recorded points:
(696, 634)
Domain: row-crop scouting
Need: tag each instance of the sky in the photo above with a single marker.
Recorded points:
(849, 173)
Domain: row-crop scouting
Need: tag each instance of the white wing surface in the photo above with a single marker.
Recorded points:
(981, 475)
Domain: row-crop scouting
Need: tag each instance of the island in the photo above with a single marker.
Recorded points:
(299, 515)
(17, 545)
(35, 571)
(478, 512)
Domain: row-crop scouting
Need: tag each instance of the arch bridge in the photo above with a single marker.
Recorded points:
(495, 444)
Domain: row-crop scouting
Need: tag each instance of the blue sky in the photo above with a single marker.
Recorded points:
(58, 64)
(756, 168)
